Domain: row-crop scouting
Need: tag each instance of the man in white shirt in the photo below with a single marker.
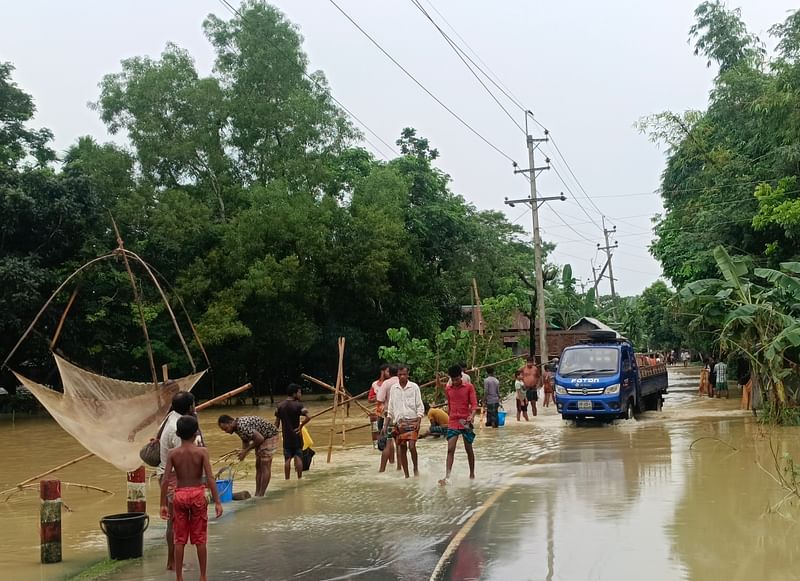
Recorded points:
(182, 405)
(382, 399)
(405, 411)
(721, 374)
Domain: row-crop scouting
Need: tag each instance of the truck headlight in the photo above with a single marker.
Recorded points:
(560, 389)
(612, 389)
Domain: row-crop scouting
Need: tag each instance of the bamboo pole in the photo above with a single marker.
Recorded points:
(47, 473)
(432, 381)
(326, 410)
(141, 261)
(329, 387)
(50, 300)
(13, 491)
(137, 298)
(360, 427)
(63, 318)
(478, 305)
(178, 298)
(335, 405)
(223, 397)
(199, 407)
(342, 389)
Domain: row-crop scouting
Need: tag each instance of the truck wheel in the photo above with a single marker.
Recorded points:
(629, 411)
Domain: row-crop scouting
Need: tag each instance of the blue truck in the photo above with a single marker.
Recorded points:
(603, 378)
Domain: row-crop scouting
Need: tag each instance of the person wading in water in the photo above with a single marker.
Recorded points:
(256, 434)
(462, 404)
(405, 411)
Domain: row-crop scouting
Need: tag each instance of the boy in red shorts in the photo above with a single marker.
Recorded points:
(189, 507)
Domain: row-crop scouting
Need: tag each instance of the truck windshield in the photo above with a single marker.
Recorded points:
(591, 360)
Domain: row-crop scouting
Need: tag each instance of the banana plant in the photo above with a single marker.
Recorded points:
(756, 312)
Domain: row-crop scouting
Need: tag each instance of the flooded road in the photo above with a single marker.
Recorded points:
(675, 495)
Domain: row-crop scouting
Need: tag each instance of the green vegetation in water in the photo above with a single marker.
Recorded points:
(102, 570)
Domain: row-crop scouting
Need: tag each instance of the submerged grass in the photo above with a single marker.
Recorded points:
(101, 570)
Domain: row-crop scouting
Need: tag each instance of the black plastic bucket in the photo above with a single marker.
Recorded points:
(125, 534)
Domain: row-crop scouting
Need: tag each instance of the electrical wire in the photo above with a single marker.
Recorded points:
(574, 197)
(499, 84)
(572, 173)
(324, 89)
(420, 85)
(461, 55)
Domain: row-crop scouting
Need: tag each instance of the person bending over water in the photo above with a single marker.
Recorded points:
(259, 434)
(189, 507)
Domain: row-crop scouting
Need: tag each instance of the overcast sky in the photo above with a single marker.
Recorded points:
(587, 69)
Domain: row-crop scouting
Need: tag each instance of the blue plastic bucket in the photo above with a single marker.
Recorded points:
(501, 418)
(225, 489)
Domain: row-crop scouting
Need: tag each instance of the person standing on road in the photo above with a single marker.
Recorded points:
(547, 382)
(491, 397)
(288, 416)
(462, 404)
(712, 377)
(383, 375)
(405, 413)
(182, 405)
(531, 378)
(721, 376)
(519, 396)
(382, 403)
(256, 434)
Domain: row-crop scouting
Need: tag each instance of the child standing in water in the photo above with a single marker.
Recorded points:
(190, 510)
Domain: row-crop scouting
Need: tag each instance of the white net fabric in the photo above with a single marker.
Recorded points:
(111, 418)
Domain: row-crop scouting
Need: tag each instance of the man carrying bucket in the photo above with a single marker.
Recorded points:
(491, 397)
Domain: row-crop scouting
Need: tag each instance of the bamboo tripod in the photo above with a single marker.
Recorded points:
(337, 393)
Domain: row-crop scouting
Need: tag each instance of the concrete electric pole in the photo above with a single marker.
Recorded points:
(535, 202)
(608, 248)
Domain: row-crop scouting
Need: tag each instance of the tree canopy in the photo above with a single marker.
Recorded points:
(248, 192)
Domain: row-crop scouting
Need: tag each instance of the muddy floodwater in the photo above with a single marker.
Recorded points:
(682, 494)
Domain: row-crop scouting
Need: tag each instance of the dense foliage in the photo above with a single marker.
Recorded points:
(248, 192)
(731, 170)
(732, 202)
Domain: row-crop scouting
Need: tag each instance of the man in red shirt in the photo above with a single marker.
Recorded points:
(462, 404)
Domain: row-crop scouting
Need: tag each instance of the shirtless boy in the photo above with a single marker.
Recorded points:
(189, 507)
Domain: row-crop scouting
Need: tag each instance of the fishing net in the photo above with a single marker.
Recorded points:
(111, 418)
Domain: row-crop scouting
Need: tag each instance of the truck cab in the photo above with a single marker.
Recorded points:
(598, 378)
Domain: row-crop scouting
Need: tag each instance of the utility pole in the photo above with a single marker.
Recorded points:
(535, 202)
(608, 247)
(594, 278)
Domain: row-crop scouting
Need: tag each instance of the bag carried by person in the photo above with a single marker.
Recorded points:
(308, 454)
(151, 452)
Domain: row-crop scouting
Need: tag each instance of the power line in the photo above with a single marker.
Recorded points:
(322, 88)
(572, 173)
(501, 86)
(577, 201)
(420, 85)
(461, 55)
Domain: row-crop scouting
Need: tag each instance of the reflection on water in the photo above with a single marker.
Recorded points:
(622, 501)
